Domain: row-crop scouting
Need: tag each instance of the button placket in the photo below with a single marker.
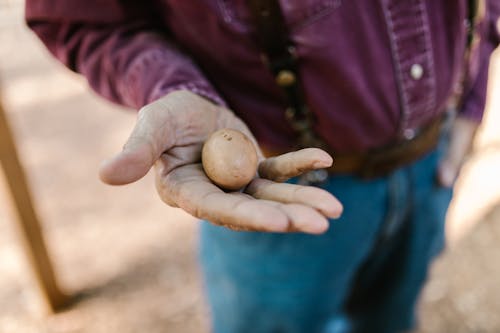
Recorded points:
(411, 47)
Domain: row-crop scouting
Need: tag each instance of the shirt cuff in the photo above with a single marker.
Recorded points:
(198, 88)
(473, 107)
(156, 72)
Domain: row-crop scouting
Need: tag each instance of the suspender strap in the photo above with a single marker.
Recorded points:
(472, 14)
(272, 31)
(475, 14)
(279, 55)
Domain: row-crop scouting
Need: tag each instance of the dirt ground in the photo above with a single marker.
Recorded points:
(133, 260)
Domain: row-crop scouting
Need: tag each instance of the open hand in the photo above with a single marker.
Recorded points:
(170, 133)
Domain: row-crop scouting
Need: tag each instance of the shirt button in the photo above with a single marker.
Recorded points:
(416, 71)
(409, 133)
(285, 78)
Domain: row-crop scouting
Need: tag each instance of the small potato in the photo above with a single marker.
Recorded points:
(229, 159)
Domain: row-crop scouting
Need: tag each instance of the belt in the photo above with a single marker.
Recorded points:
(381, 161)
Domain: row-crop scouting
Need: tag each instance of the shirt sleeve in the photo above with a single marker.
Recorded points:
(477, 79)
(118, 46)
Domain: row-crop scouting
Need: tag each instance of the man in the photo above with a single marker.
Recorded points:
(369, 82)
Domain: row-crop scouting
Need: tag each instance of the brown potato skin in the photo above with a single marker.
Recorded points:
(229, 159)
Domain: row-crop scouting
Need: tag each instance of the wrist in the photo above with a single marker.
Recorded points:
(200, 89)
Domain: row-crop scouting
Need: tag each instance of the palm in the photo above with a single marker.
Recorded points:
(172, 141)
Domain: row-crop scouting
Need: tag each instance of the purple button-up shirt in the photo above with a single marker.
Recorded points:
(371, 71)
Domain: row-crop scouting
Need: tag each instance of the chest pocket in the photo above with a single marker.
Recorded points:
(298, 13)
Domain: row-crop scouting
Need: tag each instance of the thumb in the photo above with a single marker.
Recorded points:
(461, 138)
(148, 140)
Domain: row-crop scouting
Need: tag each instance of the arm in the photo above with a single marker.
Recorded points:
(474, 96)
(129, 62)
(118, 48)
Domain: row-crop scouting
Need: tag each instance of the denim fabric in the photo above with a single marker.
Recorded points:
(363, 275)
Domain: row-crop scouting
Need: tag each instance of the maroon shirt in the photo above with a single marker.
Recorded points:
(372, 71)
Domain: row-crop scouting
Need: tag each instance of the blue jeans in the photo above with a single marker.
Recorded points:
(363, 275)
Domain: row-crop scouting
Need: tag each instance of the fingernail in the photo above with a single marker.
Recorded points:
(105, 163)
(322, 164)
(108, 161)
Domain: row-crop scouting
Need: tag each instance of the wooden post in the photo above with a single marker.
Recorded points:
(29, 225)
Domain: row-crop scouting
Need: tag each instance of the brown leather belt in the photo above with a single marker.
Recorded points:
(381, 161)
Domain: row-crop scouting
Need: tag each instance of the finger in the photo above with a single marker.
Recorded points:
(189, 188)
(316, 198)
(461, 138)
(148, 140)
(303, 218)
(283, 167)
(447, 173)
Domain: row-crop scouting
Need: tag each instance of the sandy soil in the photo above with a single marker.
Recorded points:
(132, 259)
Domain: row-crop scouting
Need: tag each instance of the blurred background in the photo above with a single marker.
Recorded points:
(132, 260)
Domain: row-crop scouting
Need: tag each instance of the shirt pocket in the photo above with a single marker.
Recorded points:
(298, 13)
